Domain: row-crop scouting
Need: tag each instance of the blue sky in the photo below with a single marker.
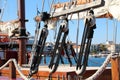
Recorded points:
(99, 33)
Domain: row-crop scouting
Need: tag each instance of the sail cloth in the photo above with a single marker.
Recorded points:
(8, 27)
(52, 24)
(111, 6)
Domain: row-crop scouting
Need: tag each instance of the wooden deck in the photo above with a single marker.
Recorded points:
(62, 72)
(7, 78)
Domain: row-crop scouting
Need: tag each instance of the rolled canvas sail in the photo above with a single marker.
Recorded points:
(8, 27)
(111, 7)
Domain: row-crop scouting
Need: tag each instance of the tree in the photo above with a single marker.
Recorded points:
(102, 47)
(94, 51)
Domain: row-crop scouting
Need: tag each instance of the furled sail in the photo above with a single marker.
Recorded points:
(8, 27)
(109, 10)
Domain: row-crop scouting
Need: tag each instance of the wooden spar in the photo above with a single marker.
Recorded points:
(12, 21)
(80, 8)
(78, 2)
(83, 5)
(107, 15)
(22, 41)
(115, 68)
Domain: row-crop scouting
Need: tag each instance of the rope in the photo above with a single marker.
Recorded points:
(51, 5)
(34, 44)
(101, 69)
(77, 36)
(5, 64)
(16, 66)
(18, 69)
(107, 29)
(43, 2)
(114, 31)
(2, 10)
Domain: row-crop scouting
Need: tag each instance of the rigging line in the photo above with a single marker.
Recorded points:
(77, 34)
(55, 31)
(37, 32)
(115, 31)
(43, 3)
(49, 3)
(107, 29)
(70, 3)
(51, 6)
(2, 10)
(37, 9)
(68, 38)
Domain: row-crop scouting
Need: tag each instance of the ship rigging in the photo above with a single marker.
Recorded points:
(89, 10)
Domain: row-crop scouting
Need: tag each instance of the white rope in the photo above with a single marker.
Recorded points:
(5, 64)
(8, 27)
(101, 69)
(19, 71)
(77, 36)
(16, 66)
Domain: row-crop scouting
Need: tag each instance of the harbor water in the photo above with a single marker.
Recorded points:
(92, 61)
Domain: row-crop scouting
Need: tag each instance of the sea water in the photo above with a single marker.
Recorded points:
(92, 61)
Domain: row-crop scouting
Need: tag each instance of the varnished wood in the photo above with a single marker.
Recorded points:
(80, 8)
(78, 2)
(12, 71)
(22, 41)
(42, 74)
(115, 68)
(81, 2)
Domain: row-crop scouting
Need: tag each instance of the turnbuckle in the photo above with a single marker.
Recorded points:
(90, 25)
(37, 57)
(56, 56)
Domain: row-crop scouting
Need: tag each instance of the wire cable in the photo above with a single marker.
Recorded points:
(2, 10)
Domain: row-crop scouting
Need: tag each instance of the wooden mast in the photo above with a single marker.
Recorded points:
(22, 41)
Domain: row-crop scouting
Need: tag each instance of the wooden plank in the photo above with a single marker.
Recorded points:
(79, 8)
(115, 68)
(43, 74)
(77, 2)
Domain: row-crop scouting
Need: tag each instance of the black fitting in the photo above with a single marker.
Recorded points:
(44, 16)
(91, 11)
(22, 32)
(91, 32)
(0, 10)
(25, 20)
